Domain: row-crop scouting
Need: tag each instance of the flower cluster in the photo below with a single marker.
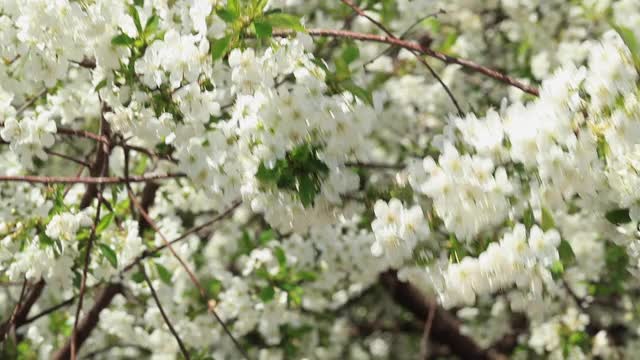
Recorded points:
(517, 259)
(397, 230)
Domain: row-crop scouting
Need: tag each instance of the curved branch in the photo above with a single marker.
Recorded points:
(445, 328)
(89, 322)
(414, 46)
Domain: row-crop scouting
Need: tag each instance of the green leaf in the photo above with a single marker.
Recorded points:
(139, 3)
(448, 42)
(133, 11)
(557, 269)
(578, 338)
(358, 91)
(295, 295)
(233, 6)
(152, 25)
(280, 255)
(267, 294)
(226, 16)
(45, 240)
(104, 223)
(266, 236)
(528, 218)
(284, 21)
(109, 254)
(100, 85)
(267, 175)
(219, 47)
(566, 253)
(77, 279)
(305, 276)
(350, 54)
(259, 5)
(306, 190)
(122, 40)
(263, 29)
(137, 277)
(214, 287)
(632, 43)
(618, 216)
(547, 222)
(343, 72)
(164, 274)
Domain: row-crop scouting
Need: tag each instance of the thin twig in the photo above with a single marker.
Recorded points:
(30, 102)
(67, 157)
(410, 45)
(50, 310)
(439, 79)
(164, 315)
(404, 35)
(381, 26)
(361, 12)
(184, 265)
(426, 334)
(194, 230)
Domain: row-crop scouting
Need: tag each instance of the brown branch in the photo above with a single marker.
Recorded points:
(445, 328)
(410, 45)
(185, 353)
(21, 312)
(9, 326)
(426, 335)
(83, 134)
(86, 180)
(89, 322)
(147, 200)
(100, 166)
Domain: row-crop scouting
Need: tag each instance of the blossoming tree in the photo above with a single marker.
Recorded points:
(315, 179)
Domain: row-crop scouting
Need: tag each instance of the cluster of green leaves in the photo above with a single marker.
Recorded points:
(341, 79)
(249, 16)
(248, 243)
(287, 279)
(614, 278)
(292, 339)
(572, 339)
(146, 35)
(300, 171)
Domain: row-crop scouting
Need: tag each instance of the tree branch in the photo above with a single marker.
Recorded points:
(445, 328)
(410, 45)
(89, 322)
